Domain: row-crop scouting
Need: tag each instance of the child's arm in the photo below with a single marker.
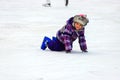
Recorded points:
(67, 43)
(82, 41)
(67, 38)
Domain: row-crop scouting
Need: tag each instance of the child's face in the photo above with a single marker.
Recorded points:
(78, 26)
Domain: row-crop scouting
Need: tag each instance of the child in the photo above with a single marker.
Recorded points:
(65, 37)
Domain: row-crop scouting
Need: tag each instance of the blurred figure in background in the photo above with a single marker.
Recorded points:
(48, 3)
(66, 2)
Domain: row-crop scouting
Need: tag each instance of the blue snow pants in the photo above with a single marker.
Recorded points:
(56, 45)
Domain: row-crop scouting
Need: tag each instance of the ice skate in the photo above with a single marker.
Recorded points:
(54, 38)
(47, 5)
(45, 42)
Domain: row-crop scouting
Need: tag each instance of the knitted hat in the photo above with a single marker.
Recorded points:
(81, 19)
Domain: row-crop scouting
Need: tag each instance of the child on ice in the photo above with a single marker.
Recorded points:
(74, 28)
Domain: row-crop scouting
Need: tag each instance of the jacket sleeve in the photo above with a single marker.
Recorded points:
(67, 43)
(82, 41)
(66, 39)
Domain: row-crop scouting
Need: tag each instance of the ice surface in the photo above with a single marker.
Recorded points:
(24, 23)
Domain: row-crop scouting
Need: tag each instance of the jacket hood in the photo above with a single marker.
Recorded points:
(70, 21)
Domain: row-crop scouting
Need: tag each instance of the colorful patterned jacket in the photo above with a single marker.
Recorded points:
(68, 34)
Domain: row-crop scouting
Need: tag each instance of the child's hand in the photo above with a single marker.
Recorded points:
(68, 51)
(85, 51)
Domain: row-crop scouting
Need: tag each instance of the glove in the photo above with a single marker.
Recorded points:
(84, 51)
(68, 51)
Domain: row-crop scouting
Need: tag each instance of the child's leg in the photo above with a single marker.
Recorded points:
(56, 45)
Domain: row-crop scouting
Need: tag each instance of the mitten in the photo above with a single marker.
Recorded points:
(84, 51)
(68, 51)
